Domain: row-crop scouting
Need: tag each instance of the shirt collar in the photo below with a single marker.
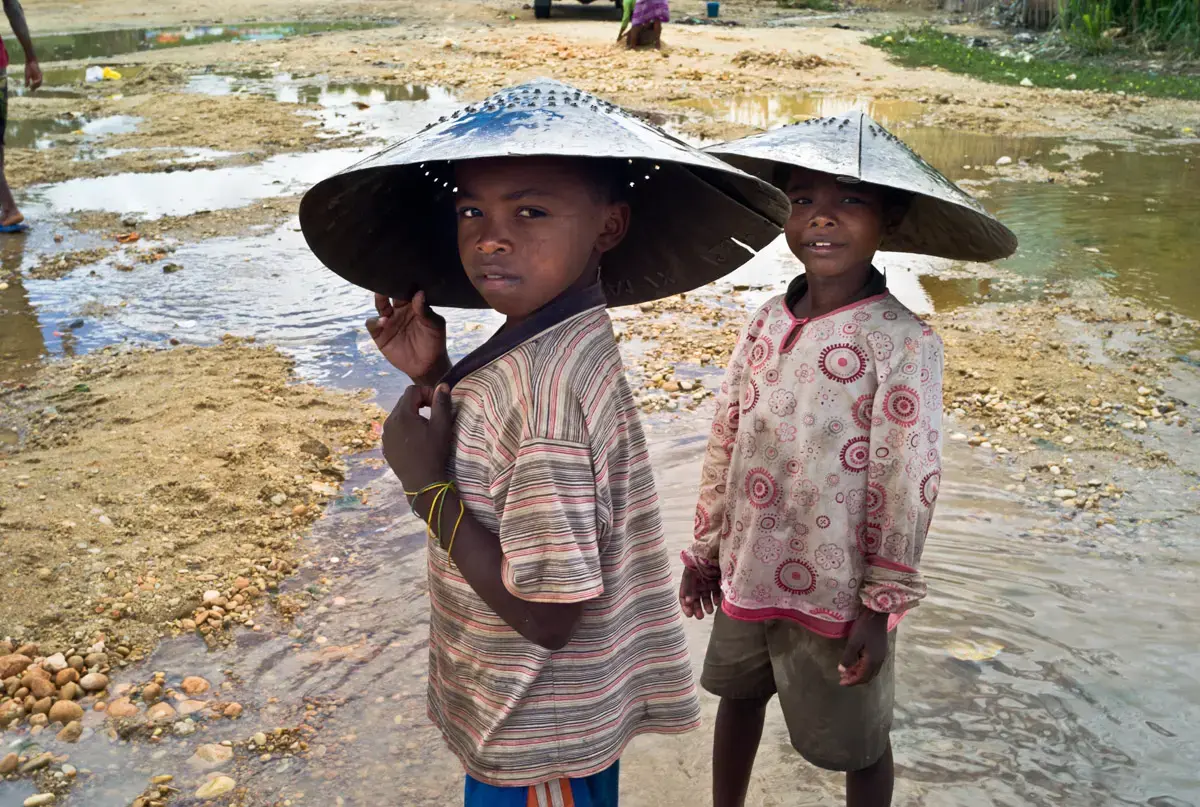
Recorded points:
(570, 303)
(876, 285)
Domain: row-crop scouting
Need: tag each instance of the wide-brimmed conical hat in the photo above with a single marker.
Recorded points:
(387, 223)
(943, 220)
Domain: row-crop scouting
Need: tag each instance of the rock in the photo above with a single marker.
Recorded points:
(10, 711)
(241, 584)
(69, 771)
(122, 707)
(39, 687)
(13, 664)
(211, 596)
(1163, 318)
(194, 685)
(67, 676)
(1004, 161)
(185, 728)
(40, 800)
(94, 682)
(1065, 493)
(162, 779)
(6, 647)
(316, 448)
(41, 706)
(278, 499)
(1025, 82)
(217, 786)
(190, 707)
(71, 732)
(259, 739)
(151, 693)
(66, 712)
(37, 763)
(94, 660)
(30, 650)
(160, 712)
(55, 664)
(9, 763)
(233, 710)
(70, 691)
(211, 755)
(77, 663)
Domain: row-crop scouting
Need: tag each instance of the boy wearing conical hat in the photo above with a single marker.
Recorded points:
(824, 459)
(555, 636)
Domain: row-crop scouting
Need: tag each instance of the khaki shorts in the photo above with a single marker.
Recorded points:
(833, 727)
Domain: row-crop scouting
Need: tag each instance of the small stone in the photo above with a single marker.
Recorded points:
(70, 691)
(1025, 82)
(259, 739)
(1163, 318)
(241, 584)
(151, 693)
(233, 710)
(77, 663)
(37, 763)
(94, 660)
(194, 685)
(217, 786)
(66, 712)
(211, 755)
(39, 687)
(185, 728)
(1065, 493)
(9, 763)
(13, 664)
(160, 712)
(55, 664)
(1004, 161)
(67, 676)
(40, 800)
(122, 707)
(162, 779)
(1069, 440)
(69, 771)
(71, 732)
(278, 499)
(190, 707)
(94, 682)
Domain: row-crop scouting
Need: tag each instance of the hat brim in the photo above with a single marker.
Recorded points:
(942, 220)
(387, 229)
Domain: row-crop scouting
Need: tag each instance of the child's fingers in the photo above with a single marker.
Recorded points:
(383, 305)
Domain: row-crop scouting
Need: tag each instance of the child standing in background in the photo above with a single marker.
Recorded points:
(647, 18)
(824, 461)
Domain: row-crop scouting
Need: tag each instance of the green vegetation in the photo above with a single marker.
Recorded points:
(928, 47)
(811, 5)
(1093, 26)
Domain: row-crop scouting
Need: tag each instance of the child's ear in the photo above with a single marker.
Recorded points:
(616, 226)
(893, 216)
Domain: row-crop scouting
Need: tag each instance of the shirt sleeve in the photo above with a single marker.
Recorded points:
(711, 520)
(628, 12)
(905, 472)
(552, 523)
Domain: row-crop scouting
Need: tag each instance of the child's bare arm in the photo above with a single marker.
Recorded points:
(16, 18)
(417, 450)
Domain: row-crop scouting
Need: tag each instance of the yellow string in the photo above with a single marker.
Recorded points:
(436, 506)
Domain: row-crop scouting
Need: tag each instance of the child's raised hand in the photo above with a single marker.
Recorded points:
(411, 337)
(866, 649)
(417, 448)
(698, 595)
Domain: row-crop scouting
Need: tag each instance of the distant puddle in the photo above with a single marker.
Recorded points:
(41, 133)
(769, 111)
(68, 82)
(102, 44)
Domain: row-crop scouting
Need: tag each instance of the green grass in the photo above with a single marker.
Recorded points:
(1151, 25)
(928, 47)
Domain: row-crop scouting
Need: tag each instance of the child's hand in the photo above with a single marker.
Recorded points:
(417, 449)
(411, 337)
(866, 649)
(698, 595)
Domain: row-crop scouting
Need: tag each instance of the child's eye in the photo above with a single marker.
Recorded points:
(801, 200)
(531, 213)
(853, 200)
(469, 212)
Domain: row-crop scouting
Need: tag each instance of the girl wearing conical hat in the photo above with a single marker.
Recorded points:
(824, 460)
(555, 635)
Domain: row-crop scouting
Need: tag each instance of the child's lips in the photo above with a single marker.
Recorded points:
(822, 247)
(495, 279)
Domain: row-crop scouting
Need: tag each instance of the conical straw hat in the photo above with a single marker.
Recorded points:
(943, 220)
(387, 223)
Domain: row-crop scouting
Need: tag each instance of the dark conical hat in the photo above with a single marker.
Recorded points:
(943, 220)
(387, 224)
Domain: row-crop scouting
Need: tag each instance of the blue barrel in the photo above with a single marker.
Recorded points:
(714, 9)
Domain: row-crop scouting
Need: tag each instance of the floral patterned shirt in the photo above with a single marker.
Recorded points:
(823, 464)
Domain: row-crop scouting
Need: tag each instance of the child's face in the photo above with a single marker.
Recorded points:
(530, 228)
(835, 227)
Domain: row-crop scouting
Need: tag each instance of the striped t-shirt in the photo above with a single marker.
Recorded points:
(549, 455)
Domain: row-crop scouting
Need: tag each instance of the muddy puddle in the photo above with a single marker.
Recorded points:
(102, 44)
(770, 111)
(44, 133)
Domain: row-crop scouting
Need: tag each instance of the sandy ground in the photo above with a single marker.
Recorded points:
(129, 498)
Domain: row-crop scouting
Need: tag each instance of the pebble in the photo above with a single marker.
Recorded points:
(56, 663)
(39, 687)
(190, 707)
(1065, 493)
(13, 664)
(67, 676)
(1004, 161)
(211, 755)
(66, 712)
(94, 682)
(9, 763)
(233, 710)
(122, 707)
(151, 693)
(160, 712)
(71, 732)
(259, 739)
(95, 660)
(185, 728)
(278, 499)
(162, 779)
(217, 786)
(194, 685)
(69, 771)
(40, 800)
(211, 596)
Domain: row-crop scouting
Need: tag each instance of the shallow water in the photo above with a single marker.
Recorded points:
(102, 44)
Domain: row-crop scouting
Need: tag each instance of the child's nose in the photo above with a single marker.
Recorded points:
(493, 246)
(821, 219)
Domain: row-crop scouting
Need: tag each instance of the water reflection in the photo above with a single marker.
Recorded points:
(21, 341)
(769, 111)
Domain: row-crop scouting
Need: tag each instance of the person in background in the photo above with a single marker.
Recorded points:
(647, 18)
(11, 219)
